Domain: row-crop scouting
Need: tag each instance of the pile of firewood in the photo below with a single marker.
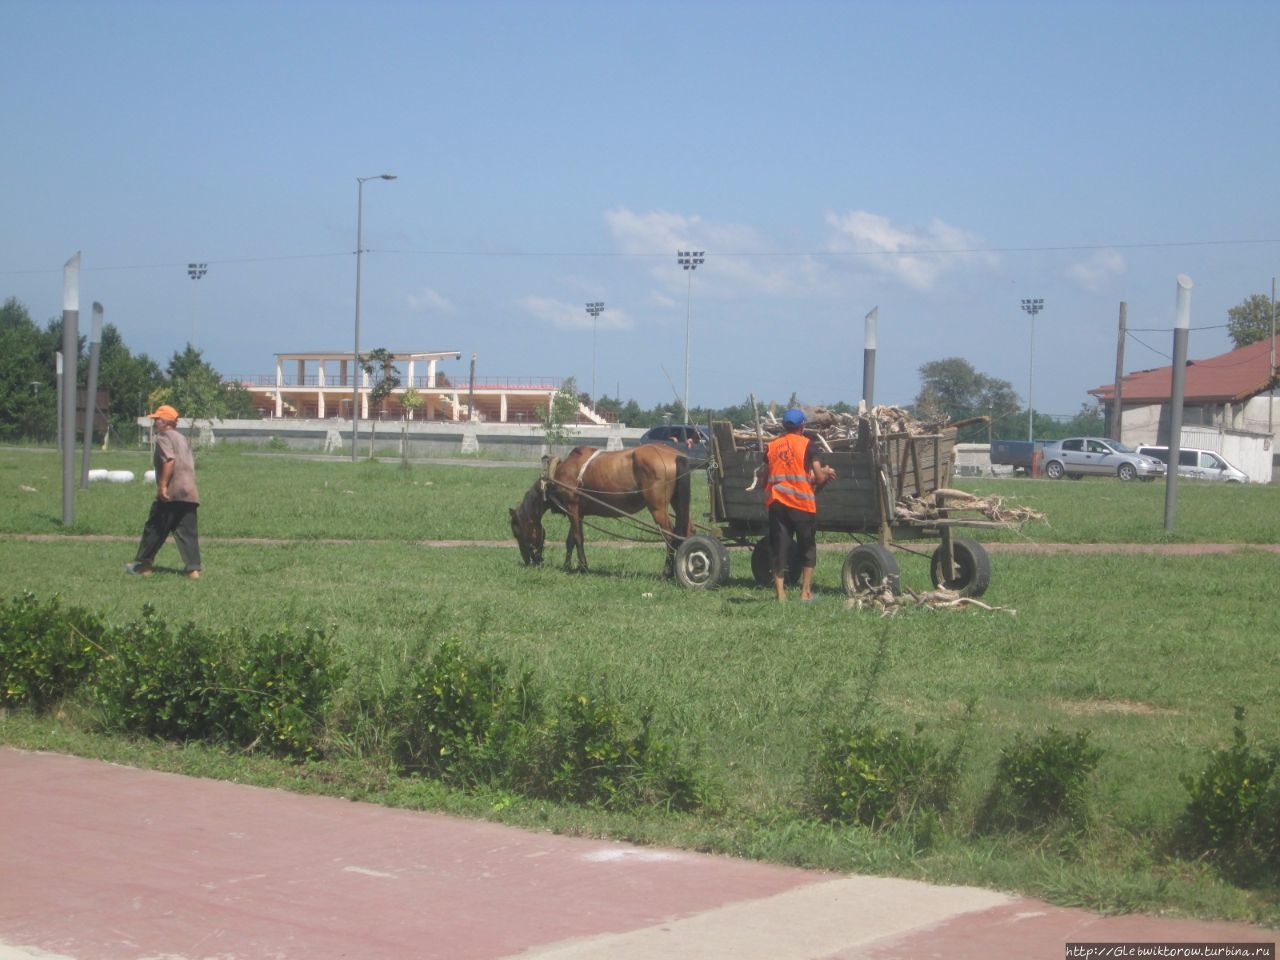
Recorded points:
(839, 430)
(959, 503)
(884, 600)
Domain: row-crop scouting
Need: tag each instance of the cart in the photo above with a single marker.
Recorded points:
(874, 473)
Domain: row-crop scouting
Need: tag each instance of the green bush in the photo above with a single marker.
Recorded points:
(1040, 780)
(165, 683)
(283, 683)
(879, 777)
(1233, 814)
(590, 752)
(455, 715)
(266, 692)
(45, 651)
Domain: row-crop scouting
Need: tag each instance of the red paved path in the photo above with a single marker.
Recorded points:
(102, 862)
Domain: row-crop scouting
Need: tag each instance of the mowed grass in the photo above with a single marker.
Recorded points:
(1148, 653)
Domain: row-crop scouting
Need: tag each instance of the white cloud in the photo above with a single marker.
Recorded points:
(916, 258)
(738, 258)
(427, 300)
(573, 316)
(1093, 274)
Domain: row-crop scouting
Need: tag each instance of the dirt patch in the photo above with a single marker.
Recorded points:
(1086, 708)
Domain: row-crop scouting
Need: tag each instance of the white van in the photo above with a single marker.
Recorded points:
(1198, 464)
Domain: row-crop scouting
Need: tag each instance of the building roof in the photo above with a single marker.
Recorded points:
(1227, 378)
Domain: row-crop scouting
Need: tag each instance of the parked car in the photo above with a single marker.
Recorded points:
(687, 436)
(1198, 464)
(1098, 456)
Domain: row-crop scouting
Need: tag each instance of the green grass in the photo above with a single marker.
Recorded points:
(1148, 653)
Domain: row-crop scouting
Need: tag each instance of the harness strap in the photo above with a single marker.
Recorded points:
(586, 463)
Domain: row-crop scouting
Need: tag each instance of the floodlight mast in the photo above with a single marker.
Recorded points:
(1032, 307)
(690, 260)
(594, 308)
(355, 372)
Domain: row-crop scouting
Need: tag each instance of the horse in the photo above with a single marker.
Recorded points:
(592, 483)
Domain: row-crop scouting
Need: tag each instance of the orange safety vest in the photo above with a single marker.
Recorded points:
(788, 482)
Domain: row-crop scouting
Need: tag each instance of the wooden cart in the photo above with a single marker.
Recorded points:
(874, 473)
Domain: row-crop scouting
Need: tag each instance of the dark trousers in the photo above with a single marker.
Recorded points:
(785, 525)
(171, 517)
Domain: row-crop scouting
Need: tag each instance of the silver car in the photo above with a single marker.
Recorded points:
(1099, 456)
(1199, 464)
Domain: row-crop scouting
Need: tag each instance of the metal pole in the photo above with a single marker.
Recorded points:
(869, 358)
(355, 353)
(70, 354)
(471, 391)
(689, 260)
(1032, 307)
(594, 308)
(355, 375)
(91, 392)
(1271, 402)
(1181, 330)
(1117, 399)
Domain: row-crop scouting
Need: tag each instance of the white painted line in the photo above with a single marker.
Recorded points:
(816, 920)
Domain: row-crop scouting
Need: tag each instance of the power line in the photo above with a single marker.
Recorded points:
(748, 255)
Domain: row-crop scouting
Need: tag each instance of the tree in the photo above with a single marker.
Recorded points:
(1250, 321)
(28, 381)
(411, 401)
(562, 411)
(196, 389)
(952, 389)
(381, 364)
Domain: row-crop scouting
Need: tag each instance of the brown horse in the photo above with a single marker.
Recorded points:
(592, 483)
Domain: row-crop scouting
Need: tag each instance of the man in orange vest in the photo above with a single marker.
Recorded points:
(795, 477)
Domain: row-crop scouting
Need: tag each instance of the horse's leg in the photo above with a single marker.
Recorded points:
(582, 549)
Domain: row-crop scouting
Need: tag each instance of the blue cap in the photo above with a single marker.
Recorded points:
(793, 418)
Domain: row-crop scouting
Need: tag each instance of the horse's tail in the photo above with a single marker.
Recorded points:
(682, 497)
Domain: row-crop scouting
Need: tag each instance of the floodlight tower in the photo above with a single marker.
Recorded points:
(355, 372)
(690, 260)
(1032, 307)
(595, 309)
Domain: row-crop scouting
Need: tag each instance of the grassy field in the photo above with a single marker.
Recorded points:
(1147, 653)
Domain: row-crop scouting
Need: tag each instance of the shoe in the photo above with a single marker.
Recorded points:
(192, 574)
(138, 569)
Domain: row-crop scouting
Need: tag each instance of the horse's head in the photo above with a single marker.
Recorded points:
(526, 524)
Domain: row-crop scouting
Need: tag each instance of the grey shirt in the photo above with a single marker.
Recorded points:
(171, 445)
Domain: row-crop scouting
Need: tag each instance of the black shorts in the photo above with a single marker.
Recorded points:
(788, 523)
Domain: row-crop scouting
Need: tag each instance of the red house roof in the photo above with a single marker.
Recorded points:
(1228, 378)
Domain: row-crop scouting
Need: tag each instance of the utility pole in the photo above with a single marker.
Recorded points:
(1117, 400)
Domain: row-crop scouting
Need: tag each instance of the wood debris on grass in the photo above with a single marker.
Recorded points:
(886, 601)
(994, 508)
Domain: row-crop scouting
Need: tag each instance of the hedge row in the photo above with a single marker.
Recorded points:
(463, 718)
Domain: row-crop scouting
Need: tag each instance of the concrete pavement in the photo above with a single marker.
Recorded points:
(102, 862)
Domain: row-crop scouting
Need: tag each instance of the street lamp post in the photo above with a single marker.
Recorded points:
(1032, 307)
(595, 309)
(690, 260)
(355, 356)
(195, 271)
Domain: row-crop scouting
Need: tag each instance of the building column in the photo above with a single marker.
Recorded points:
(455, 406)
(502, 407)
(279, 387)
(431, 374)
(320, 404)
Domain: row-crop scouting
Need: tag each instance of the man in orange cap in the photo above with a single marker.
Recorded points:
(174, 509)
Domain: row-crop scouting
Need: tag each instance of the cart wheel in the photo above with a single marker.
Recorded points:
(701, 563)
(867, 568)
(762, 565)
(972, 566)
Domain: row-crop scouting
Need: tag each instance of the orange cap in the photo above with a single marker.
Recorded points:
(164, 412)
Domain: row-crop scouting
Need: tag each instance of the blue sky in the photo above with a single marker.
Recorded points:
(941, 161)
